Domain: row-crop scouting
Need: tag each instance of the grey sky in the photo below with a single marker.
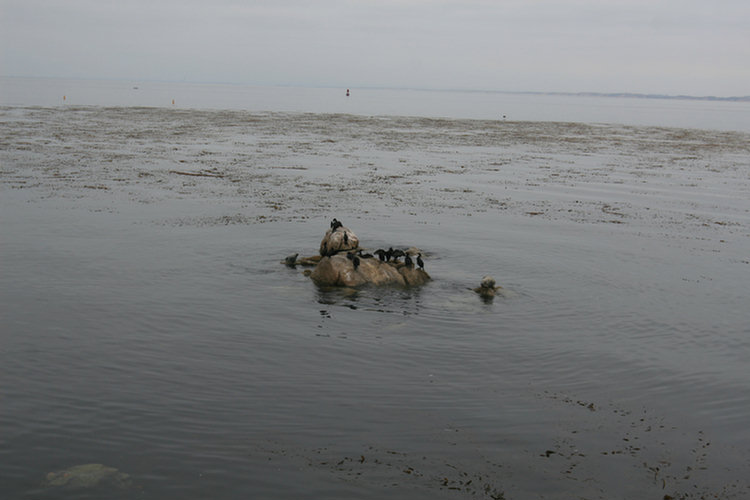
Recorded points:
(647, 46)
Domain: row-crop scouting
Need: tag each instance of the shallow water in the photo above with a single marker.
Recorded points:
(148, 323)
(455, 104)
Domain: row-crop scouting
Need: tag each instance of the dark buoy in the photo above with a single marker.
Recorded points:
(420, 262)
(347, 92)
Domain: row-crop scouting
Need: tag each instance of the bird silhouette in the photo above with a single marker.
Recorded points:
(396, 254)
(408, 262)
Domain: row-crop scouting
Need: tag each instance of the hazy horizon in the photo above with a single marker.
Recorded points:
(671, 48)
(136, 81)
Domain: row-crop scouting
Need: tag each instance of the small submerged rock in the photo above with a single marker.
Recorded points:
(487, 288)
(291, 260)
(88, 476)
(311, 261)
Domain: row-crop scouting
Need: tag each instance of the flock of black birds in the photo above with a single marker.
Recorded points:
(387, 255)
(383, 255)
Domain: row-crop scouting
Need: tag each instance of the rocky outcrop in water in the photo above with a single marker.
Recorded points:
(342, 263)
(340, 270)
(338, 239)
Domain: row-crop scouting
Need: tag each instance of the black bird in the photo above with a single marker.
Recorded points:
(350, 255)
(381, 254)
(396, 254)
(364, 255)
(334, 223)
(408, 262)
(389, 254)
(355, 261)
(346, 239)
(420, 262)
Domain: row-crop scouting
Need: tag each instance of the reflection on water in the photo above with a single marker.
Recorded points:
(151, 327)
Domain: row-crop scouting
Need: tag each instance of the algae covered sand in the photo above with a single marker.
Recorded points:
(291, 167)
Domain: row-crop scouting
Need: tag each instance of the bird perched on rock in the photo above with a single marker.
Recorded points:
(420, 262)
(364, 255)
(407, 261)
(335, 224)
(381, 254)
(396, 254)
(353, 258)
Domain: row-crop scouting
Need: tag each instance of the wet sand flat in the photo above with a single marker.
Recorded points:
(281, 167)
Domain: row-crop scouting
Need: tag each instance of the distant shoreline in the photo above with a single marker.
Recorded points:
(631, 95)
(648, 96)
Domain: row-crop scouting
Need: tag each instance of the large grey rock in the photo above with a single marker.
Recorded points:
(339, 239)
(339, 270)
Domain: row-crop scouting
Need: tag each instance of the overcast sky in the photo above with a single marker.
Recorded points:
(644, 46)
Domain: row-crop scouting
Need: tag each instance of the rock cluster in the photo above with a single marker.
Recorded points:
(340, 270)
(343, 263)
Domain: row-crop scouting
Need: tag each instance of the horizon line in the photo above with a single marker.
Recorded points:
(623, 94)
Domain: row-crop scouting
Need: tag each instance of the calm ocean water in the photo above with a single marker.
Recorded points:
(376, 102)
(148, 324)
